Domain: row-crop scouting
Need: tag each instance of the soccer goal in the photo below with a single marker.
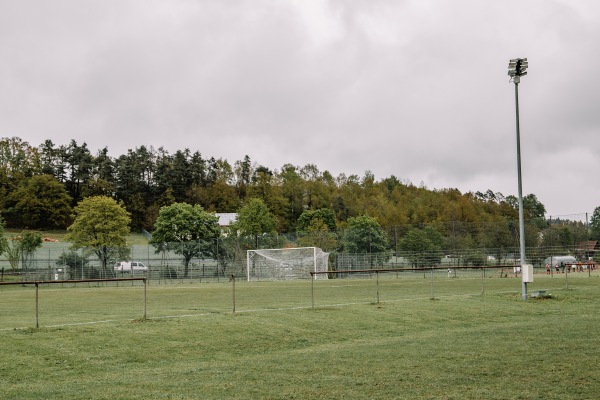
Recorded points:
(284, 264)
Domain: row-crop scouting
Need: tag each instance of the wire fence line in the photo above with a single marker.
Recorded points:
(219, 259)
(78, 302)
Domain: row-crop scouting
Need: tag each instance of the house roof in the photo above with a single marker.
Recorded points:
(589, 245)
(226, 219)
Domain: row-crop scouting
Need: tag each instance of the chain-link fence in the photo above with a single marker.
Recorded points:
(219, 259)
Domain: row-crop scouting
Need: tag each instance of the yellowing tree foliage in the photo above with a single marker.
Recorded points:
(100, 224)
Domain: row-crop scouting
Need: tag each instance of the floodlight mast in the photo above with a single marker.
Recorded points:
(516, 69)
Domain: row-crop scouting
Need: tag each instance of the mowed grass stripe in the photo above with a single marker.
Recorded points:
(493, 346)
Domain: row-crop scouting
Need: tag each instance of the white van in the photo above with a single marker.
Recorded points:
(132, 267)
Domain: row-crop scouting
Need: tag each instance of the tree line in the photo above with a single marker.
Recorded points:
(41, 185)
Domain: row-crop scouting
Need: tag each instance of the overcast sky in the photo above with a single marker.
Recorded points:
(416, 89)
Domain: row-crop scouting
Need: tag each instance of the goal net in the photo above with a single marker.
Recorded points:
(283, 264)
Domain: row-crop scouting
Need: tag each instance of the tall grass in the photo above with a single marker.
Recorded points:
(276, 346)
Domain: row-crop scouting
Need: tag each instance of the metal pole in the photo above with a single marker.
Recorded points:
(520, 183)
(217, 262)
(37, 321)
(233, 290)
(145, 297)
(377, 278)
(432, 289)
(482, 276)
(312, 289)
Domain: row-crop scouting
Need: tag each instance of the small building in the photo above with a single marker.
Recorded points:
(225, 221)
(588, 249)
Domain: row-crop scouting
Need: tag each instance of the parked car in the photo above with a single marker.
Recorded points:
(132, 267)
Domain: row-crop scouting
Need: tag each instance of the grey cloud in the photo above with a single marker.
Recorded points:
(414, 89)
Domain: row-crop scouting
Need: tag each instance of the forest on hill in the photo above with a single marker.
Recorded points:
(40, 185)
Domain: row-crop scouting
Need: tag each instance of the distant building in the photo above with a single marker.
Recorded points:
(225, 221)
(588, 249)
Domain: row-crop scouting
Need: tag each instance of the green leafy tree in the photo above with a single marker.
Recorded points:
(78, 266)
(13, 252)
(101, 225)
(41, 202)
(78, 168)
(496, 236)
(102, 179)
(317, 234)
(21, 248)
(365, 235)
(534, 211)
(18, 160)
(3, 240)
(595, 225)
(254, 219)
(326, 215)
(186, 230)
(318, 228)
(423, 247)
(292, 187)
(136, 180)
(318, 187)
(243, 172)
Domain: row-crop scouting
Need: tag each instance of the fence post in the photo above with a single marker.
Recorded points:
(312, 289)
(145, 297)
(233, 290)
(482, 276)
(377, 279)
(432, 288)
(37, 321)
(217, 257)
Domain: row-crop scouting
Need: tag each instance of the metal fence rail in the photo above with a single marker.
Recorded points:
(54, 282)
(68, 302)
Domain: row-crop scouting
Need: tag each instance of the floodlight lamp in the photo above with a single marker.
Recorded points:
(517, 67)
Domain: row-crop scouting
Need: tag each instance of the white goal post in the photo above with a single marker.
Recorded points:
(286, 264)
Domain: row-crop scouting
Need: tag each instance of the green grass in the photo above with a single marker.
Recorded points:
(461, 345)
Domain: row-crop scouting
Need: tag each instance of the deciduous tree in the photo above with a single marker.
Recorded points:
(326, 215)
(317, 234)
(100, 224)
(40, 202)
(186, 230)
(423, 246)
(255, 219)
(595, 225)
(365, 235)
(3, 240)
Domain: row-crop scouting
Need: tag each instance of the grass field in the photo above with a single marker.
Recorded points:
(93, 343)
(133, 238)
